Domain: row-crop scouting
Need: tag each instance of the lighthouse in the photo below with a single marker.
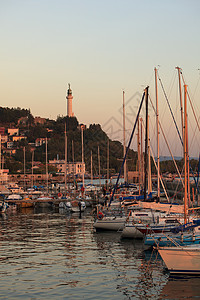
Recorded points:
(69, 98)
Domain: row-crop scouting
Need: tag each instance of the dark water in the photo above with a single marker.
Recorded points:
(49, 254)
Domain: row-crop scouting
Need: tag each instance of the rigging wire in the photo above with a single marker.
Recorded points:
(172, 83)
(196, 85)
(167, 143)
(192, 107)
(193, 137)
(170, 109)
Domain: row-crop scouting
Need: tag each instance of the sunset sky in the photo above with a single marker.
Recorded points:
(101, 48)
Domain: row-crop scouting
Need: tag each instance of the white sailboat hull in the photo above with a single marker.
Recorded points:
(110, 223)
(184, 260)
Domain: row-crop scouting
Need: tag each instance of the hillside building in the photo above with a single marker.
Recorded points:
(13, 131)
(76, 168)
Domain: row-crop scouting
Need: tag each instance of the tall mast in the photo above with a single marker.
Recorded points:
(82, 156)
(3, 164)
(139, 158)
(99, 167)
(108, 163)
(91, 167)
(149, 163)
(141, 154)
(158, 133)
(0, 153)
(188, 167)
(146, 143)
(1, 167)
(124, 138)
(24, 169)
(32, 169)
(65, 159)
(181, 102)
(73, 161)
(185, 154)
(47, 168)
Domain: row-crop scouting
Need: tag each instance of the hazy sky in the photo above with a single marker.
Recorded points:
(100, 47)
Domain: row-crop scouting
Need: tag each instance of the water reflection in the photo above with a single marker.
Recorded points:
(181, 288)
(138, 273)
(48, 253)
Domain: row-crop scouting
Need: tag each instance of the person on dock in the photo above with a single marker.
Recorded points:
(82, 190)
(79, 205)
(104, 191)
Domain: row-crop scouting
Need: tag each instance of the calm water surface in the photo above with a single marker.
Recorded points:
(50, 254)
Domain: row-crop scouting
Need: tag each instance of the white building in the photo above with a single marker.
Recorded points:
(9, 145)
(13, 131)
(4, 175)
(16, 138)
(76, 168)
(4, 139)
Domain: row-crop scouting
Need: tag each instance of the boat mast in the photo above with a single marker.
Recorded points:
(82, 156)
(107, 163)
(73, 162)
(0, 151)
(187, 151)
(24, 169)
(158, 134)
(185, 154)
(139, 158)
(99, 167)
(124, 138)
(32, 168)
(181, 101)
(138, 146)
(188, 168)
(1, 167)
(141, 153)
(47, 168)
(149, 163)
(91, 167)
(65, 159)
(146, 143)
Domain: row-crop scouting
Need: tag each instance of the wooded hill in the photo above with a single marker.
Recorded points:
(94, 136)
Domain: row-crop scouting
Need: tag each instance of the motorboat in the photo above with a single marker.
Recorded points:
(73, 206)
(44, 201)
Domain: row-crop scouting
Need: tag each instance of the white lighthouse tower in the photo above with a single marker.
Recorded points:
(69, 98)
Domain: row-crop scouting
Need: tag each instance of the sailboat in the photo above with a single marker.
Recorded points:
(166, 239)
(183, 259)
(152, 222)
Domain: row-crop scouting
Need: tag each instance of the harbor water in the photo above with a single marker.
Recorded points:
(49, 254)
